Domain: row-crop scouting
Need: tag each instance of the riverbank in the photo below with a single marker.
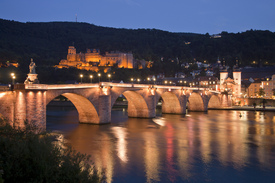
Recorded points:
(246, 108)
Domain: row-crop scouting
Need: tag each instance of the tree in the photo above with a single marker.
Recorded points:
(27, 156)
(261, 92)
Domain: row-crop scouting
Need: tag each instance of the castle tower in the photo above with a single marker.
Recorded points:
(71, 50)
(71, 57)
(237, 79)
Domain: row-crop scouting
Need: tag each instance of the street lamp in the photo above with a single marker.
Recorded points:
(138, 80)
(154, 79)
(13, 77)
(165, 82)
(148, 79)
(91, 77)
(99, 77)
(81, 76)
(109, 76)
(132, 79)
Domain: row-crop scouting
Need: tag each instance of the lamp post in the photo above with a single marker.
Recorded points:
(148, 79)
(138, 80)
(154, 79)
(109, 76)
(13, 77)
(132, 80)
(165, 82)
(99, 77)
(91, 77)
(81, 76)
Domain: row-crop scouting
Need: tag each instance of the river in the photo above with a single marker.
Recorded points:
(217, 146)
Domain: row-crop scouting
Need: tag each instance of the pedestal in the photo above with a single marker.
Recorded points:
(31, 79)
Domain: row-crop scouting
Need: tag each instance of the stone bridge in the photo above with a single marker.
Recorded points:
(94, 102)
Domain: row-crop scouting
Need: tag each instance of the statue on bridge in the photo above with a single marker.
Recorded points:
(32, 76)
(32, 67)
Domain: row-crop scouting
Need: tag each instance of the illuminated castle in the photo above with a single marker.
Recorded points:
(92, 59)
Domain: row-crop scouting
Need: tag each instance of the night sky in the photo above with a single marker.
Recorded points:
(196, 16)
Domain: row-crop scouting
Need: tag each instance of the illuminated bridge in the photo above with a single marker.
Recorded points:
(95, 101)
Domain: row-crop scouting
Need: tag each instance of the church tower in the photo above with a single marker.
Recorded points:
(223, 76)
(237, 76)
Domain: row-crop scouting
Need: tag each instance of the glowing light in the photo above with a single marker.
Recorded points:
(2, 94)
(121, 134)
(183, 92)
(105, 90)
(160, 121)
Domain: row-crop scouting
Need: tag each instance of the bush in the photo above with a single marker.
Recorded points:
(26, 156)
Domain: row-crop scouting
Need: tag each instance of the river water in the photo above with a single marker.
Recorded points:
(217, 146)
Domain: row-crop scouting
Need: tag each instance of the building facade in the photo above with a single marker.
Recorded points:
(231, 85)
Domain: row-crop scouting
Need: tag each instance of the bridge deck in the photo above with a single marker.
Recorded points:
(109, 84)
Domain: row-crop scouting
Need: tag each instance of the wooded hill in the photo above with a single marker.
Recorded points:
(47, 43)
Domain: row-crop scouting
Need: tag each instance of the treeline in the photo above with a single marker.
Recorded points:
(47, 43)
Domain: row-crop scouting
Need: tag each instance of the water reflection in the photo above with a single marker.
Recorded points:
(173, 148)
(121, 133)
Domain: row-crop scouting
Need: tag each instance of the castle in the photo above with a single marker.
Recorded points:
(92, 59)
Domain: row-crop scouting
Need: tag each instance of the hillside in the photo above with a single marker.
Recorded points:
(47, 43)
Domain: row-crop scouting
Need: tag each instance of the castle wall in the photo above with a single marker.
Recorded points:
(82, 60)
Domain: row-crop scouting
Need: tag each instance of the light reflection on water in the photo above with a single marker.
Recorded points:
(218, 146)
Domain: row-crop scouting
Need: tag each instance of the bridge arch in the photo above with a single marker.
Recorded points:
(137, 106)
(171, 103)
(214, 102)
(86, 110)
(195, 102)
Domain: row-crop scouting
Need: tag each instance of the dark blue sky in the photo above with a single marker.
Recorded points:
(197, 16)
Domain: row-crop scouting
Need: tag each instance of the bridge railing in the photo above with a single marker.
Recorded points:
(5, 88)
(36, 86)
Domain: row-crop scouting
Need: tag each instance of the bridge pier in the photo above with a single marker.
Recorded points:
(104, 109)
(36, 109)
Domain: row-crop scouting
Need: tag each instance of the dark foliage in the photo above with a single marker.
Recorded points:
(47, 44)
(26, 156)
